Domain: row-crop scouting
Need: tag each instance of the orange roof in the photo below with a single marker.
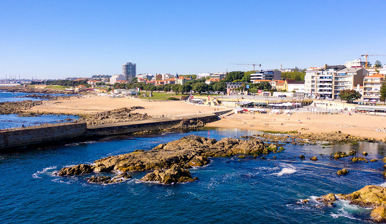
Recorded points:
(376, 76)
(262, 80)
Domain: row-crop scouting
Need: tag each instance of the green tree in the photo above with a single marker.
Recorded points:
(176, 88)
(200, 87)
(219, 86)
(383, 92)
(349, 95)
(295, 75)
(266, 86)
(378, 64)
(232, 76)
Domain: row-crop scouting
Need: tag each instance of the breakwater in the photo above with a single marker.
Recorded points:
(69, 132)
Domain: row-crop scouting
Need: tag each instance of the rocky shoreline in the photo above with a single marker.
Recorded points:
(114, 116)
(370, 196)
(17, 107)
(169, 163)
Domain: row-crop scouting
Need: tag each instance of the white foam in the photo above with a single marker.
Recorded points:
(43, 171)
(287, 170)
(383, 184)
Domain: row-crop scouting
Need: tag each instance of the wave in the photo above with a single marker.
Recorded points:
(43, 171)
(288, 169)
(347, 210)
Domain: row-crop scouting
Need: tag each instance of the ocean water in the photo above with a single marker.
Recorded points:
(229, 190)
(15, 121)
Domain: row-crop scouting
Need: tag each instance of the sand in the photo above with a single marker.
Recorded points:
(91, 104)
(362, 125)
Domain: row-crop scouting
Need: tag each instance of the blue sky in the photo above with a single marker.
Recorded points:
(53, 39)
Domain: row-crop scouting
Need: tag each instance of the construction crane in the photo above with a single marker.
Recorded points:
(367, 55)
(254, 65)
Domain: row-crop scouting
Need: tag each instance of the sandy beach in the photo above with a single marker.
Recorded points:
(91, 104)
(362, 125)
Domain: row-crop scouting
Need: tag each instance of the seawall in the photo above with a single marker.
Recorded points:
(70, 132)
(23, 137)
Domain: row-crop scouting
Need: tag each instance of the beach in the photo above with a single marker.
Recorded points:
(361, 125)
(92, 104)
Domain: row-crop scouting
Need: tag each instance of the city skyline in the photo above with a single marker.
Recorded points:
(60, 39)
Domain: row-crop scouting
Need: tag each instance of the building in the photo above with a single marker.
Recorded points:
(129, 70)
(372, 86)
(357, 63)
(117, 78)
(294, 86)
(319, 82)
(348, 79)
(234, 87)
(266, 75)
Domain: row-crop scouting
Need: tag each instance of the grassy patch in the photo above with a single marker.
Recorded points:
(160, 96)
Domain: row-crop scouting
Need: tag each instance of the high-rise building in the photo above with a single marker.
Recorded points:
(129, 70)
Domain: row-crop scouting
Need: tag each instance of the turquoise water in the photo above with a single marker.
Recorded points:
(229, 190)
(14, 121)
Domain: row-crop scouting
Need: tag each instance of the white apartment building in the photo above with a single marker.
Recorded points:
(319, 82)
(372, 86)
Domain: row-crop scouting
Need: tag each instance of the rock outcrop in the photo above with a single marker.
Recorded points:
(17, 107)
(187, 152)
(370, 196)
(80, 169)
(173, 175)
(114, 116)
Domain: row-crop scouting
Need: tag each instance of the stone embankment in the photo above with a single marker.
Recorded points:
(169, 163)
(370, 196)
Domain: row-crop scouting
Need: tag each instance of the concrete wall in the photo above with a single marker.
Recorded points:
(23, 137)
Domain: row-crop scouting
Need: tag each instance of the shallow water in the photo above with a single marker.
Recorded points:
(229, 190)
(14, 121)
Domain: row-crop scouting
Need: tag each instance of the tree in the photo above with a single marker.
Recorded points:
(295, 75)
(266, 86)
(349, 95)
(378, 64)
(219, 86)
(200, 87)
(232, 76)
(383, 92)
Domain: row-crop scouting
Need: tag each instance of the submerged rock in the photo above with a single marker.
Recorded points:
(175, 174)
(314, 158)
(107, 179)
(302, 157)
(358, 159)
(341, 172)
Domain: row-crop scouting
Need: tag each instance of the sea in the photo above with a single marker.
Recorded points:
(16, 121)
(228, 190)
